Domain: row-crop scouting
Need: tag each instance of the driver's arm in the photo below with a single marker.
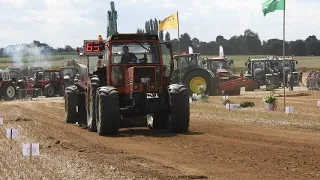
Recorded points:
(133, 56)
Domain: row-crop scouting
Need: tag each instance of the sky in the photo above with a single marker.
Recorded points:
(69, 22)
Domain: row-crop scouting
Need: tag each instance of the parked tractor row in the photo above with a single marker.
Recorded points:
(269, 71)
(46, 82)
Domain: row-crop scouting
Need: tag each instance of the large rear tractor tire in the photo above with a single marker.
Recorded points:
(92, 105)
(49, 90)
(179, 117)
(197, 78)
(108, 111)
(71, 104)
(9, 92)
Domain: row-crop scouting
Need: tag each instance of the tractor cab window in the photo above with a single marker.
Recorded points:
(214, 65)
(50, 76)
(183, 62)
(5, 75)
(68, 71)
(135, 53)
(259, 64)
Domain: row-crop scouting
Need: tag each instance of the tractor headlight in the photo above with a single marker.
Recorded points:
(135, 87)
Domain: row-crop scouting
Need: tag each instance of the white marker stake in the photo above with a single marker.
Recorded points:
(225, 97)
(318, 103)
(228, 106)
(1, 121)
(12, 133)
(30, 149)
(289, 110)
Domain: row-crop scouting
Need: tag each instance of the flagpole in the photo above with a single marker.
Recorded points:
(284, 53)
(179, 45)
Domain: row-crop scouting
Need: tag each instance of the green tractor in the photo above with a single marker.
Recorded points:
(188, 72)
(213, 73)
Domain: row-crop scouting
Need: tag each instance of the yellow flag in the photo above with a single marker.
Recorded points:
(171, 22)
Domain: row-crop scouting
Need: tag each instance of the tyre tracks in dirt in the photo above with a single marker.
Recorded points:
(213, 149)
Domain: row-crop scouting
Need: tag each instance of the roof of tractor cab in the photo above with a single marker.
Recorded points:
(52, 70)
(215, 59)
(186, 55)
(133, 37)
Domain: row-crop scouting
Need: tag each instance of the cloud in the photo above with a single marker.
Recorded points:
(69, 22)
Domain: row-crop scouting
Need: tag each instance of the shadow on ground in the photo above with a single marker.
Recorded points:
(151, 133)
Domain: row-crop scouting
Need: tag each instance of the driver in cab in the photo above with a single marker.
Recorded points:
(128, 57)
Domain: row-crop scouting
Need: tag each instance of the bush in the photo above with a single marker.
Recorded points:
(247, 104)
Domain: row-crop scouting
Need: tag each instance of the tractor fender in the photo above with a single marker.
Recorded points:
(210, 73)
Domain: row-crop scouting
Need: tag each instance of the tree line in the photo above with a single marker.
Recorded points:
(247, 44)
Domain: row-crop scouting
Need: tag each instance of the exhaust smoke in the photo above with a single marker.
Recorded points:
(28, 55)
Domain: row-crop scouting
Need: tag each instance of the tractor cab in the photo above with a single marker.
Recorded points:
(183, 63)
(220, 66)
(5, 75)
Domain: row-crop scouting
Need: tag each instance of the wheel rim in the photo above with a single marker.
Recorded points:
(11, 91)
(50, 91)
(195, 83)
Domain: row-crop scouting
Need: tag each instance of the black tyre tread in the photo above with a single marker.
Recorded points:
(4, 92)
(71, 104)
(46, 94)
(108, 103)
(199, 73)
(92, 127)
(180, 109)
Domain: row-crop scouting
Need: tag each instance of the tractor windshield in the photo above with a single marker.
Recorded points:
(127, 53)
(68, 71)
(259, 64)
(51, 76)
(218, 65)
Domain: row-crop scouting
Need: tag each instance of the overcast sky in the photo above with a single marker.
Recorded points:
(61, 22)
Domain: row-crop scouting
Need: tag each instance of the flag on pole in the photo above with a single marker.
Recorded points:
(170, 22)
(272, 5)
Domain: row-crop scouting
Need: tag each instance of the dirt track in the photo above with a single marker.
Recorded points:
(221, 144)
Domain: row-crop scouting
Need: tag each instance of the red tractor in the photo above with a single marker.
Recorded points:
(130, 80)
(7, 87)
(49, 81)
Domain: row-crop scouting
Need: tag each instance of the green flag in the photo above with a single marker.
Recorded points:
(271, 5)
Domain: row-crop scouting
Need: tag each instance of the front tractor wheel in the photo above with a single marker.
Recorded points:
(198, 78)
(108, 111)
(49, 90)
(9, 92)
(71, 104)
(179, 117)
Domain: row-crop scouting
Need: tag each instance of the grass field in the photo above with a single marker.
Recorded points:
(57, 60)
